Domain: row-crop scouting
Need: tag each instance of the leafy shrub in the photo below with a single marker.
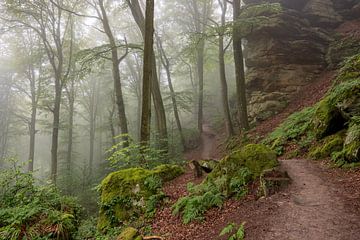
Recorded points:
(34, 212)
(135, 155)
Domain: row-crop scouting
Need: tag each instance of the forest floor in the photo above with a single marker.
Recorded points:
(320, 203)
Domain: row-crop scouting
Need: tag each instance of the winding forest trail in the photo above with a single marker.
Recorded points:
(313, 208)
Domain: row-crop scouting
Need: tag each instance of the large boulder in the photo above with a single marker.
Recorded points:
(283, 53)
(129, 194)
(255, 157)
(322, 13)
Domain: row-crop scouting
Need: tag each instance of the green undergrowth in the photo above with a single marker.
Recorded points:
(132, 195)
(330, 128)
(29, 211)
(228, 179)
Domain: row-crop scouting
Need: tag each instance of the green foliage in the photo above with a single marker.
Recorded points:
(193, 207)
(350, 69)
(135, 155)
(39, 212)
(228, 179)
(329, 146)
(295, 128)
(234, 232)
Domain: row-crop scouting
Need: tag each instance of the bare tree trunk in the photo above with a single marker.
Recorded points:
(56, 126)
(200, 70)
(166, 63)
(224, 88)
(155, 88)
(147, 73)
(32, 128)
(239, 68)
(116, 73)
(71, 101)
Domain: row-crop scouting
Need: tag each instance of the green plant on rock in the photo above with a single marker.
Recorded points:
(328, 147)
(350, 69)
(130, 194)
(233, 231)
(296, 127)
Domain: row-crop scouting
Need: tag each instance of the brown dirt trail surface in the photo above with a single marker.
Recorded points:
(314, 209)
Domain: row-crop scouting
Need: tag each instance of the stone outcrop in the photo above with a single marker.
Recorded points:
(287, 46)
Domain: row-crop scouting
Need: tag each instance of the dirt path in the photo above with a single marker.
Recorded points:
(320, 204)
(313, 209)
(208, 142)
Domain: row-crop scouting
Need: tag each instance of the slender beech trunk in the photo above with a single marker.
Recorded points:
(200, 71)
(166, 63)
(92, 118)
(239, 68)
(224, 88)
(147, 73)
(32, 125)
(71, 101)
(116, 73)
(56, 125)
(155, 88)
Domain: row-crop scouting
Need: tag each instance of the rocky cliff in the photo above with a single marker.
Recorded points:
(288, 44)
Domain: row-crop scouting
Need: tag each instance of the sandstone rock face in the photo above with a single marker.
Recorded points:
(288, 48)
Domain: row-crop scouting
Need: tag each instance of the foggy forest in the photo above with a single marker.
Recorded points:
(179, 119)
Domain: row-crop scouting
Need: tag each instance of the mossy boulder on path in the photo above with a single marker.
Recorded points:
(255, 157)
(129, 194)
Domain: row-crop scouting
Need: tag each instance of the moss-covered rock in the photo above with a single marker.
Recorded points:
(330, 145)
(336, 108)
(129, 233)
(126, 194)
(255, 157)
(350, 69)
(351, 150)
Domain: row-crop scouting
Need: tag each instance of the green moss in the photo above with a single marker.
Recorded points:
(350, 69)
(255, 157)
(168, 172)
(339, 50)
(125, 194)
(330, 145)
(296, 127)
(128, 233)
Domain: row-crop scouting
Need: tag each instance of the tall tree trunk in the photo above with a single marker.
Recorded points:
(92, 118)
(32, 127)
(56, 126)
(224, 88)
(147, 73)
(200, 71)
(116, 73)
(71, 100)
(155, 88)
(166, 63)
(239, 68)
